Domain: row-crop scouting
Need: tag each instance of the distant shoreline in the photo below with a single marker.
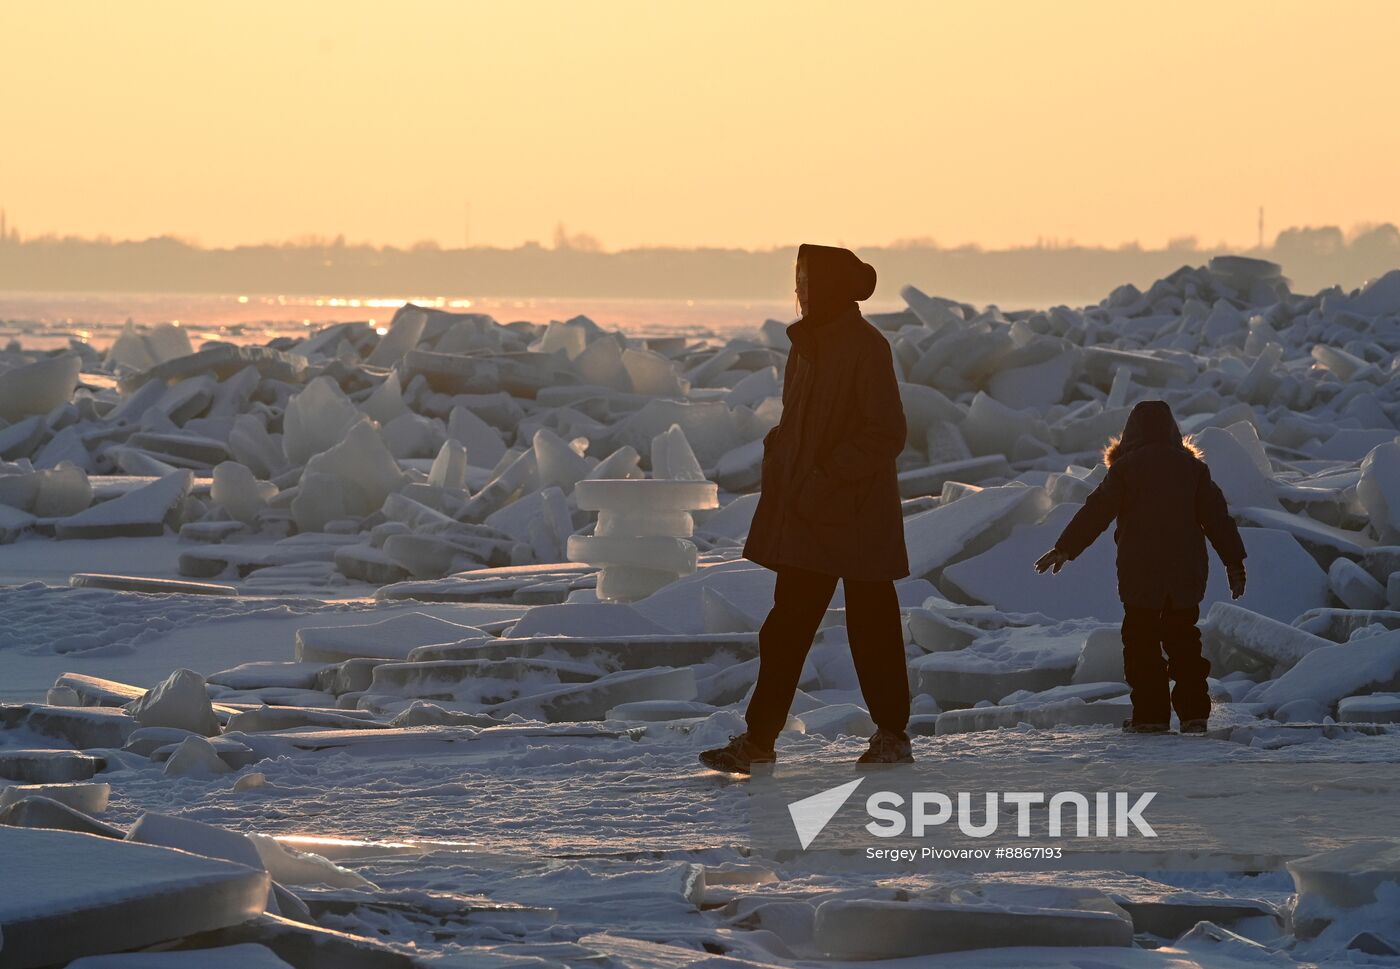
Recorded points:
(1313, 258)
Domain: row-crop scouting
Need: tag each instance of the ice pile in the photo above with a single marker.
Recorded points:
(452, 458)
(447, 444)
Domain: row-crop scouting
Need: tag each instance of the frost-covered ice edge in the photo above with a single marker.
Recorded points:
(374, 704)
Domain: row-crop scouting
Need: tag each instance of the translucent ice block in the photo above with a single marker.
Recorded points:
(659, 552)
(621, 583)
(645, 494)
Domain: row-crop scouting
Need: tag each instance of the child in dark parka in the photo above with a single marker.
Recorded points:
(1166, 506)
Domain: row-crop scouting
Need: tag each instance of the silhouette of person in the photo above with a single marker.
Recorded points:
(1166, 505)
(829, 509)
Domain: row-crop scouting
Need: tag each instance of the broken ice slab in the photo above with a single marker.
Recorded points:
(476, 680)
(495, 586)
(244, 560)
(930, 480)
(592, 701)
(1153, 370)
(239, 493)
(256, 675)
(365, 563)
(1326, 675)
(1033, 658)
(46, 766)
(223, 362)
(14, 524)
(181, 449)
(651, 711)
(1267, 735)
(399, 741)
(54, 493)
(1069, 712)
(86, 728)
(147, 511)
(950, 533)
(38, 388)
(1378, 490)
(194, 756)
(93, 691)
(298, 944)
(180, 700)
(993, 428)
(1169, 914)
(874, 929)
(435, 911)
(645, 495)
(144, 348)
(1337, 625)
(1235, 470)
(585, 620)
(1238, 639)
(137, 583)
(36, 811)
(1331, 883)
(359, 461)
(519, 374)
(608, 653)
(128, 895)
(1323, 542)
(392, 638)
(87, 797)
(1036, 375)
(1349, 444)
(268, 718)
(1354, 586)
(834, 720)
(210, 531)
(1375, 708)
(935, 633)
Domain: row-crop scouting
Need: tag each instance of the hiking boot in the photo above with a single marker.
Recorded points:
(738, 756)
(1194, 726)
(888, 747)
(1132, 726)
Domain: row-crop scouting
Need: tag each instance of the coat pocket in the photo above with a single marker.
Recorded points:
(825, 500)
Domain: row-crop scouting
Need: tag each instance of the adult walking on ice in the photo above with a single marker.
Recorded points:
(829, 510)
(1166, 505)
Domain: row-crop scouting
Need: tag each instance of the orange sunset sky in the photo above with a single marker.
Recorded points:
(719, 123)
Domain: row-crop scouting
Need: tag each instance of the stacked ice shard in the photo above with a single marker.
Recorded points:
(641, 541)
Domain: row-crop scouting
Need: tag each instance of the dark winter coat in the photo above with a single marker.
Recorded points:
(830, 496)
(1166, 506)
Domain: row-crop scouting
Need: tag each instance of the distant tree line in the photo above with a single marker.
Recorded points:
(1312, 257)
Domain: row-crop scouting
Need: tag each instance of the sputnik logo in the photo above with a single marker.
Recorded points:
(811, 814)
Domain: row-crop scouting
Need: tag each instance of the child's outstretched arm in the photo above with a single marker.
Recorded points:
(1213, 515)
(1099, 510)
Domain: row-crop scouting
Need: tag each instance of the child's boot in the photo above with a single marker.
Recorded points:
(1136, 726)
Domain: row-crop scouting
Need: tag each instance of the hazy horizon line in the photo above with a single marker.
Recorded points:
(584, 242)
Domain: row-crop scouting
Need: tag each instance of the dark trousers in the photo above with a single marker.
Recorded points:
(800, 599)
(1147, 633)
